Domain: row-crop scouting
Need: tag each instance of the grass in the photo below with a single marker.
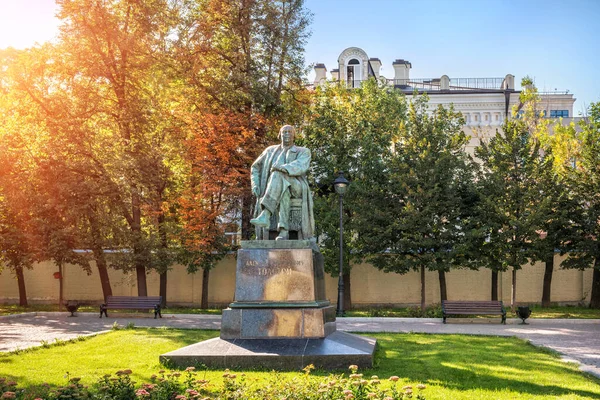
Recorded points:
(569, 312)
(8, 309)
(565, 312)
(452, 366)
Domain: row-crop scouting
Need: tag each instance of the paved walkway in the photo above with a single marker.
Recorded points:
(575, 340)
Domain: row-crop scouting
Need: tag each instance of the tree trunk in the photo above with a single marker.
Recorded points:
(548, 280)
(494, 285)
(204, 298)
(140, 273)
(100, 258)
(513, 290)
(443, 290)
(347, 291)
(423, 291)
(60, 286)
(103, 273)
(595, 297)
(247, 209)
(163, 289)
(164, 244)
(21, 283)
(136, 228)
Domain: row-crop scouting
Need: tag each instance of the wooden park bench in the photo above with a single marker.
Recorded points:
(132, 303)
(473, 308)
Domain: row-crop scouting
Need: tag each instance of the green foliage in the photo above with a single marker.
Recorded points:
(433, 311)
(119, 387)
(511, 205)
(423, 209)
(350, 131)
(168, 386)
(584, 178)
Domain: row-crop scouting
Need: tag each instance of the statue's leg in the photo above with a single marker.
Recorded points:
(284, 210)
(276, 187)
(285, 205)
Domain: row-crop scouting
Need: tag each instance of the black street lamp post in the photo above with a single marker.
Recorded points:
(341, 185)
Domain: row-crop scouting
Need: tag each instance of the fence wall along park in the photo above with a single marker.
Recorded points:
(369, 286)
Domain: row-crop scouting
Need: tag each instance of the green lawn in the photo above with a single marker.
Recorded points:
(407, 312)
(7, 309)
(570, 312)
(452, 366)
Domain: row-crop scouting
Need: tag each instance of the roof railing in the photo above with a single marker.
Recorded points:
(455, 83)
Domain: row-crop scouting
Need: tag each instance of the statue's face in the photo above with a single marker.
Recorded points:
(287, 135)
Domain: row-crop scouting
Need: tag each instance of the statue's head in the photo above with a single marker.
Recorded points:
(287, 134)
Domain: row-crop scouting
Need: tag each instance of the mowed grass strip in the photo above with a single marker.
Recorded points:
(555, 312)
(452, 366)
(569, 312)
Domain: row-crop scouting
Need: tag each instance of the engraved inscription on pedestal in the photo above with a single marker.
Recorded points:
(277, 275)
(279, 293)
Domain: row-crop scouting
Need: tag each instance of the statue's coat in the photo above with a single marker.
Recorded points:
(297, 164)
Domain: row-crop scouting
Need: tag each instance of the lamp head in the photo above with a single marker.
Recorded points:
(341, 184)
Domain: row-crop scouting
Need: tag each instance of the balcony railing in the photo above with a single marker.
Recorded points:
(418, 83)
(562, 92)
(476, 83)
(434, 84)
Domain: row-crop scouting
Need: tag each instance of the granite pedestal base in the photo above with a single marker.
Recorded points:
(278, 323)
(280, 318)
(336, 351)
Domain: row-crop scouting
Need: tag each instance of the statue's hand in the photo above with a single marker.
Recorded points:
(277, 168)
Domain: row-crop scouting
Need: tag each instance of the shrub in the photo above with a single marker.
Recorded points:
(185, 386)
(118, 387)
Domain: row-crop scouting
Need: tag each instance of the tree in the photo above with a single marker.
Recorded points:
(16, 251)
(47, 136)
(585, 182)
(36, 223)
(350, 131)
(243, 59)
(210, 203)
(420, 215)
(117, 49)
(511, 205)
(557, 207)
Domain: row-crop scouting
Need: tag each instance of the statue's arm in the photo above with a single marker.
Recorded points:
(255, 171)
(300, 165)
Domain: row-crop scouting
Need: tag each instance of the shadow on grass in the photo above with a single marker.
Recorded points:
(480, 363)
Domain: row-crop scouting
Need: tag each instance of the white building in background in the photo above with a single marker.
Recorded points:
(484, 102)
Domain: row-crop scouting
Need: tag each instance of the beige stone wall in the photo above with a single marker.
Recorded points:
(370, 286)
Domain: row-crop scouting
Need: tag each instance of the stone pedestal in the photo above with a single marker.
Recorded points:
(280, 318)
(279, 293)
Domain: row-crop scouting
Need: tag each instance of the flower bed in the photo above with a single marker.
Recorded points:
(189, 385)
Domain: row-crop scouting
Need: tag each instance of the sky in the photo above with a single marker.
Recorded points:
(556, 42)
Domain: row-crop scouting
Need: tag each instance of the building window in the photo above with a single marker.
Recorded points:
(475, 118)
(486, 117)
(559, 113)
(353, 73)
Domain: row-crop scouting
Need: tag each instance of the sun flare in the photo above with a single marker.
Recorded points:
(25, 22)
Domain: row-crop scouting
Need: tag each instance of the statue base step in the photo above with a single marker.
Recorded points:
(337, 351)
(276, 323)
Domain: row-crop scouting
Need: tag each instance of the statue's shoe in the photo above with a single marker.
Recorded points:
(283, 235)
(262, 220)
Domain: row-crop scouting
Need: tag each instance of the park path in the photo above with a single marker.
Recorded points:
(576, 340)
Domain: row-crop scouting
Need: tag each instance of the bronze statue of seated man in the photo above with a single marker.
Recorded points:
(278, 175)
